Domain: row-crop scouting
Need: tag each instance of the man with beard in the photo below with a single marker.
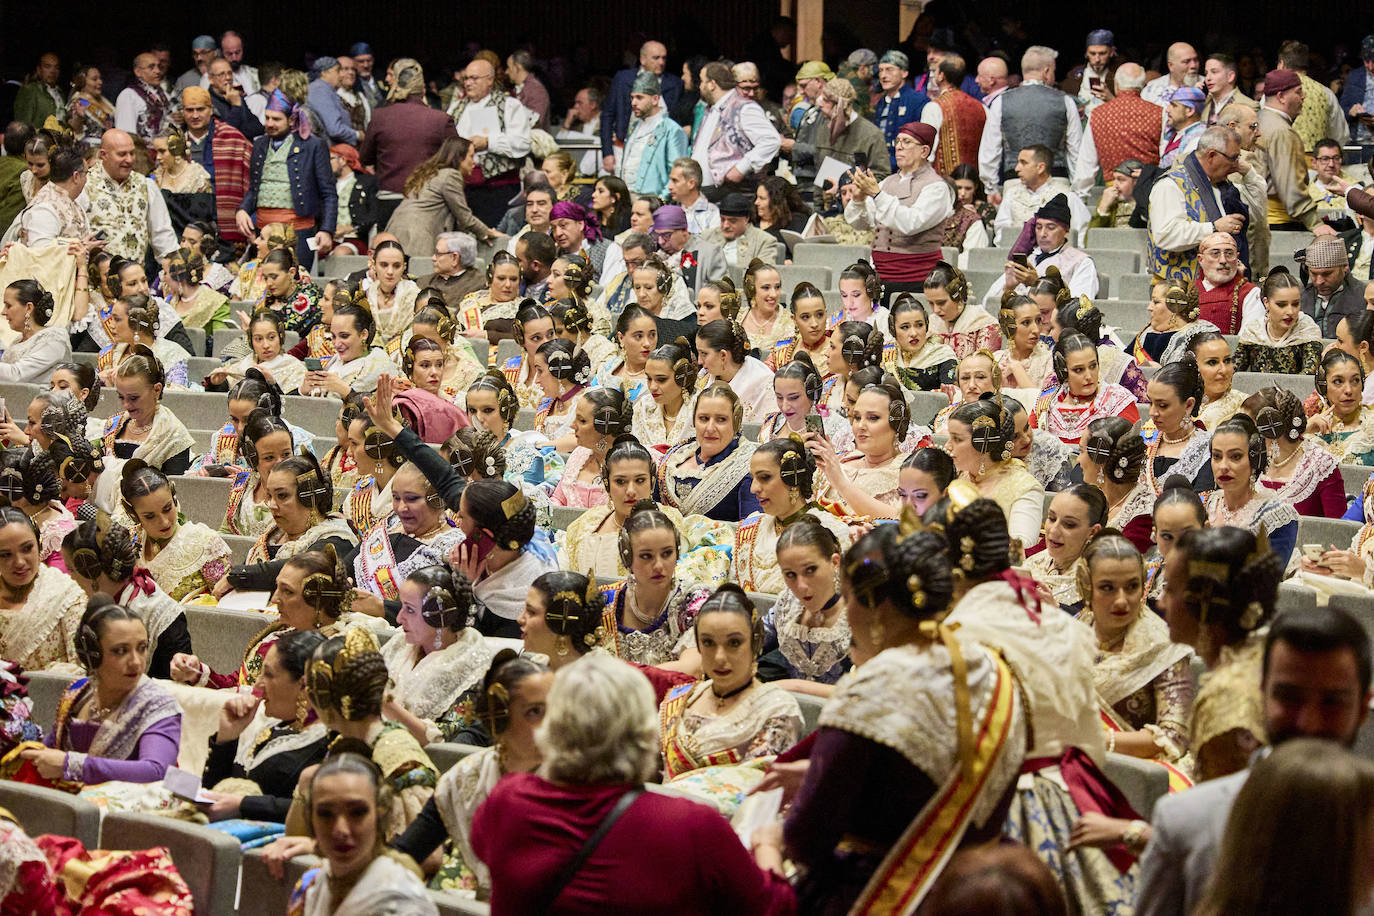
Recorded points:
(654, 143)
(809, 124)
(290, 182)
(222, 151)
(1225, 297)
(538, 213)
(1331, 292)
(736, 142)
(1314, 684)
(535, 252)
(1190, 202)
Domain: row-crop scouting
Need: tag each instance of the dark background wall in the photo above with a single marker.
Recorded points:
(600, 36)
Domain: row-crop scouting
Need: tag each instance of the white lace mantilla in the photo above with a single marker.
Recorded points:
(812, 651)
(1314, 465)
(903, 698)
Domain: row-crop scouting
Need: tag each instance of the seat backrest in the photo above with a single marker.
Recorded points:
(1117, 238)
(238, 547)
(222, 635)
(45, 692)
(994, 259)
(1326, 531)
(980, 281)
(1142, 782)
(792, 274)
(340, 265)
(204, 499)
(564, 516)
(453, 905)
(1133, 286)
(207, 859)
(1354, 476)
(43, 810)
(420, 267)
(315, 414)
(810, 710)
(750, 431)
(446, 754)
(259, 892)
(197, 336)
(763, 603)
(836, 257)
(1250, 382)
(925, 405)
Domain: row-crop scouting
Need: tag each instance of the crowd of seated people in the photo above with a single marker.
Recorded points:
(641, 483)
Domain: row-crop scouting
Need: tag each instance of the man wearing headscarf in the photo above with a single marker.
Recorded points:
(1090, 83)
(290, 182)
(402, 134)
(575, 229)
(357, 199)
(957, 117)
(808, 124)
(899, 104)
(223, 151)
(846, 136)
(1185, 122)
(367, 84)
(655, 140)
(325, 102)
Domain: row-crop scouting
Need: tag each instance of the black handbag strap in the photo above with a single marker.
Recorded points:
(575, 864)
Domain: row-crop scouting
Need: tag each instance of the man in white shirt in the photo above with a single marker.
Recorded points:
(498, 127)
(142, 108)
(203, 51)
(736, 141)
(1183, 66)
(992, 79)
(684, 184)
(1171, 230)
(109, 188)
(1223, 287)
(1029, 191)
(1051, 249)
(1027, 115)
(583, 121)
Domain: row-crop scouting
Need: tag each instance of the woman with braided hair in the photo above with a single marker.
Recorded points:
(185, 558)
(39, 349)
(326, 610)
(891, 720)
(1239, 459)
(144, 428)
(1144, 681)
(1052, 655)
(861, 293)
(437, 665)
(1286, 340)
(1176, 441)
(920, 361)
(357, 359)
(287, 290)
(572, 321)
(982, 435)
(1345, 425)
(800, 393)
(865, 480)
(134, 320)
(664, 419)
(197, 304)
(263, 440)
(417, 533)
(29, 481)
(102, 557)
(500, 554)
(806, 632)
(1220, 589)
(963, 325)
(1080, 394)
(268, 359)
(709, 473)
(854, 345)
(1072, 517)
(1115, 365)
(1112, 458)
(730, 718)
(250, 285)
(1301, 472)
(636, 336)
(1026, 359)
(723, 353)
(390, 293)
(254, 392)
(1174, 322)
(533, 326)
(562, 372)
(493, 405)
(259, 786)
(783, 473)
(40, 607)
(347, 680)
(117, 722)
(764, 320)
(601, 414)
(301, 498)
(810, 322)
(510, 704)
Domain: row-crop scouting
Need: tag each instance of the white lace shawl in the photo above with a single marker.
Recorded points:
(713, 483)
(459, 794)
(903, 698)
(1314, 465)
(386, 888)
(828, 646)
(429, 685)
(54, 602)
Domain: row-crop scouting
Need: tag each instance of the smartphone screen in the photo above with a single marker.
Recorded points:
(313, 365)
(814, 423)
(1019, 259)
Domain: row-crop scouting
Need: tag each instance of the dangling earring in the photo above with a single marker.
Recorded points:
(438, 639)
(982, 466)
(302, 711)
(1101, 476)
(378, 472)
(562, 645)
(28, 323)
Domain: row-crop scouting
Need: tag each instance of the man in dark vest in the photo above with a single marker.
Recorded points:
(1034, 113)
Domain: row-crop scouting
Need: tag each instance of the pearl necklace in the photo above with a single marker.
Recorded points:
(1191, 429)
(1225, 516)
(1284, 462)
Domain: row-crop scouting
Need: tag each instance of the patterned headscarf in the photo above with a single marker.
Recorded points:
(296, 119)
(591, 226)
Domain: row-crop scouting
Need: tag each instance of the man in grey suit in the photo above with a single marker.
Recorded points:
(740, 241)
(1315, 684)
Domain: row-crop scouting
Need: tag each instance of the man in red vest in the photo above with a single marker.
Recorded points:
(1225, 297)
(957, 116)
(1127, 127)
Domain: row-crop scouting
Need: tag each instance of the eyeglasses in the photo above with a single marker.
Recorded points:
(746, 87)
(1231, 159)
(1335, 159)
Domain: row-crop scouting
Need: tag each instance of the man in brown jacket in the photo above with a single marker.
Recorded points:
(1290, 206)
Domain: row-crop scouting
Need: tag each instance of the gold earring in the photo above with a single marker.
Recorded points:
(877, 633)
(562, 645)
(302, 711)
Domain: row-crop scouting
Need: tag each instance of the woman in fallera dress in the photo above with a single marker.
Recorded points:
(664, 419)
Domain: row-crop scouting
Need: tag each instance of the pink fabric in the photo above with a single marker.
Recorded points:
(570, 492)
(433, 418)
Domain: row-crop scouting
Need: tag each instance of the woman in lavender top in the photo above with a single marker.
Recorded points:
(115, 723)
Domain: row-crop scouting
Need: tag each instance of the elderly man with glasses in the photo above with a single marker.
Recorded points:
(498, 127)
(1191, 201)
